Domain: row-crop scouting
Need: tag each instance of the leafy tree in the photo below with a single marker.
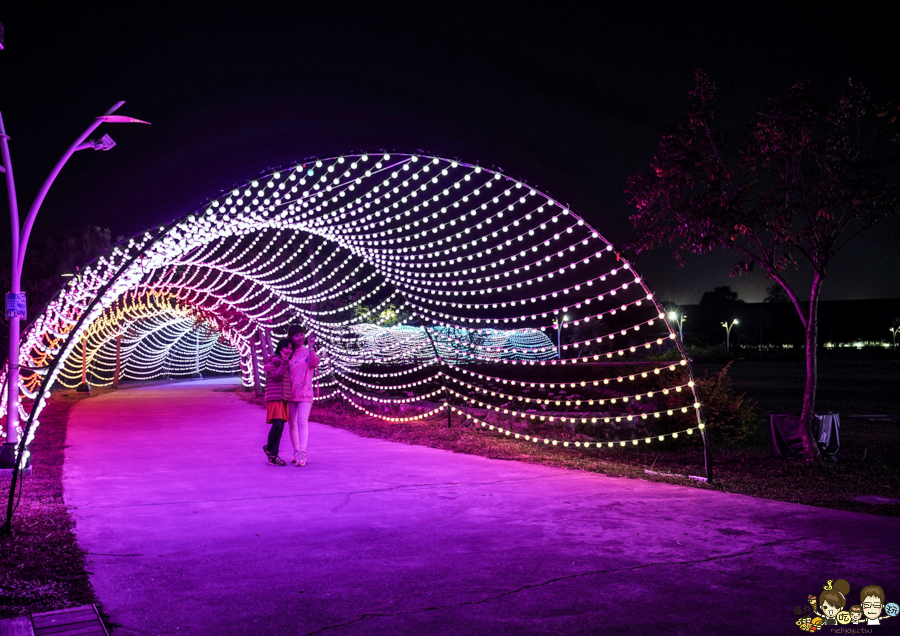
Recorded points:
(735, 416)
(775, 294)
(717, 306)
(389, 316)
(809, 177)
(45, 263)
(722, 296)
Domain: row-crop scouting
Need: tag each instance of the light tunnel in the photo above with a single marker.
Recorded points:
(432, 284)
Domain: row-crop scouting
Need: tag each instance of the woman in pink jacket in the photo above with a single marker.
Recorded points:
(302, 366)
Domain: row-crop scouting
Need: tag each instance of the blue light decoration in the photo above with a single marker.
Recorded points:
(431, 283)
(407, 345)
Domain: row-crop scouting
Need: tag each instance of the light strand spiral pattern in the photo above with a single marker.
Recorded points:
(432, 284)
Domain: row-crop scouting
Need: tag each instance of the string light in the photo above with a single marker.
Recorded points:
(157, 335)
(571, 443)
(416, 273)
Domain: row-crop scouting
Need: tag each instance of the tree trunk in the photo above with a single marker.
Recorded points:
(808, 414)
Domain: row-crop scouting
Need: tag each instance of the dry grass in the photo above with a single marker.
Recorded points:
(41, 566)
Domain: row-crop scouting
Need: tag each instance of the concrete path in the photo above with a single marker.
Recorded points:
(190, 531)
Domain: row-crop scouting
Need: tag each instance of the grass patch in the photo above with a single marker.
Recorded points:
(41, 566)
(867, 460)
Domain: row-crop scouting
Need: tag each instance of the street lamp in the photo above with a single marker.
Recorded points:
(894, 331)
(728, 327)
(678, 319)
(558, 323)
(15, 299)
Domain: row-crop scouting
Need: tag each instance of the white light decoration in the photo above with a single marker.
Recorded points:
(156, 335)
(434, 286)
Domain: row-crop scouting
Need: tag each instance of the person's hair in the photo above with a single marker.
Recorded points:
(871, 590)
(284, 342)
(834, 598)
(856, 608)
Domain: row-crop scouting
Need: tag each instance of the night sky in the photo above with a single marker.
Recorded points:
(571, 101)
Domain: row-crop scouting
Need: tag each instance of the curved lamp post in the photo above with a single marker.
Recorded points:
(560, 319)
(894, 331)
(728, 327)
(15, 299)
(678, 318)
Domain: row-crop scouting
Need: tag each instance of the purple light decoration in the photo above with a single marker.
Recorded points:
(457, 248)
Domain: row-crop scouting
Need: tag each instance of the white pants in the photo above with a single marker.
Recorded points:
(298, 425)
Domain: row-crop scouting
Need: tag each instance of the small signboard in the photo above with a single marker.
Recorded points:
(15, 305)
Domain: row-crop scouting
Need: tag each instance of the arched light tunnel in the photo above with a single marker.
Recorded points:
(431, 283)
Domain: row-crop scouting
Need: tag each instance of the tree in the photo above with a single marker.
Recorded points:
(722, 296)
(809, 177)
(775, 294)
(45, 263)
(717, 306)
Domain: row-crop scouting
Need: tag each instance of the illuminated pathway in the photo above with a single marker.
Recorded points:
(189, 531)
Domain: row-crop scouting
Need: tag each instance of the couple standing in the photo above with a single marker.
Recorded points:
(289, 393)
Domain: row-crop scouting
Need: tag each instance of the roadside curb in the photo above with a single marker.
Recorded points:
(83, 620)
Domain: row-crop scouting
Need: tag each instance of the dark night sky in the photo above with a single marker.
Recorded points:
(570, 100)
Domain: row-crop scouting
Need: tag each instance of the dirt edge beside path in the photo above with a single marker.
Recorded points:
(42, 568)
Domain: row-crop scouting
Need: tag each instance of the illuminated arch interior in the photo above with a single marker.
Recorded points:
(151, 335)
(430, 282)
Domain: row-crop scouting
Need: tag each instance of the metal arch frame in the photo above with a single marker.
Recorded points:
(366, 251)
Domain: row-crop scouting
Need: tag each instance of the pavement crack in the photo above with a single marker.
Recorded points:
(423, 486)
(359, 619)
(720, 557)
(115, 555)
(523, 588)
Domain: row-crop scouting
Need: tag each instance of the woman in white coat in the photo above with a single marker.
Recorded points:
(302, 366)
